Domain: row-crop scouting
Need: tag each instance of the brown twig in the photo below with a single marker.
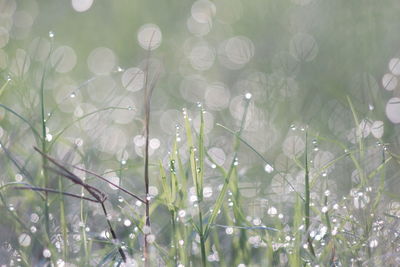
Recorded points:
(111, 183)
(49, 190)
(147, 100)
(98, 195)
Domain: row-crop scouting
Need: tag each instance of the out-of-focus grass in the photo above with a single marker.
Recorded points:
(290, 171)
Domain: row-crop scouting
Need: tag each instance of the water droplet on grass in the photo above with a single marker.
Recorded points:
(150, 238)
(34, 218)
(18, 177)
(371, 107)
(268, 168)
(229, 230)
(373, 243)
(272, 211)
(46, 253)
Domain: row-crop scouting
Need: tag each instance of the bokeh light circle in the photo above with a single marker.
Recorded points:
(81, 5)
(393, 109)
(101, 60)
(149, 36)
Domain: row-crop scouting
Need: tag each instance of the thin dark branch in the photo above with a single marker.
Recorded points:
(114, 236)
(99, 196)
(113, 184)
(96, 193)
(49, 190)
(147, 101)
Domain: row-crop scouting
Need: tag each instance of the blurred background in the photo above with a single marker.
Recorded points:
(303, 62)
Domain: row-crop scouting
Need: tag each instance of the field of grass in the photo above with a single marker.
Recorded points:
(199, 133)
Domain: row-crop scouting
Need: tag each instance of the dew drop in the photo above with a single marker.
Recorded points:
(78, 142)
(256, 221)
(127, 222)
(18, 177)
(49, 137)
(207, 192)
(150, 238)
(182, 213)
(229, 230)
(34, 218)
(248, 96)
(46, 253)
(272, 211)
(268, 168)
(373, 243)
(60, 263)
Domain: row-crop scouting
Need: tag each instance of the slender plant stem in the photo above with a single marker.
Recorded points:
(174, 241)
(43, 139)
(147, 97)
(307, 201)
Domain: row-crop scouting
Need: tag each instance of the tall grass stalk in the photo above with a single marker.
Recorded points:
(44, 140)
(307, 200)
(196, 167)
(149, 87)
(98, 196)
